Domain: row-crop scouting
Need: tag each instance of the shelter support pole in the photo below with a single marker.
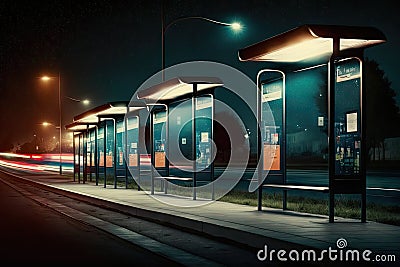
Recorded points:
(91, 156)
(84, 151)
(115, 152)
(212, 147)
(96, 159)
(138, 153)
(283, 154)
(79, 157)
(105, 154)
(331, 126)
(259, 147)
(73, 154)
(363, 152)
(194, 156)
(151, 137)
(126, 154)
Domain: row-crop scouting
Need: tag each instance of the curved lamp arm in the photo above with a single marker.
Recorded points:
(235, 25)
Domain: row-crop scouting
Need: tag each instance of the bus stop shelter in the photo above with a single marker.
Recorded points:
(98, 144)
(180, 133)
(341, 49)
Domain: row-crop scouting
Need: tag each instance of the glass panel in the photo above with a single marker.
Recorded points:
(76, 154)
(180, 138)
(109, 144)
(119, 139)
(307, 121)
(159, 124)
(204, 117)
(100, 145)
(80, 152)
(271, 133)
(347, 117)
(132, 141)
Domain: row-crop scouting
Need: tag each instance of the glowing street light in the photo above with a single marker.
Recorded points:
(46, 123)
(236, 26)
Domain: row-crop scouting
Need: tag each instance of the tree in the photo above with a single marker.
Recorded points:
(383, 117)
(6, 144)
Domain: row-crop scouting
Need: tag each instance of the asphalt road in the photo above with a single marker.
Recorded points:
(32, 233)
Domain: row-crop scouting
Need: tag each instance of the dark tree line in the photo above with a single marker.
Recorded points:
(383, 117)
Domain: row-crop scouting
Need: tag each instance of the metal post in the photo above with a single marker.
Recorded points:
(73, 154)
(105, 154)
(79, 157)
(363, 149)
(60, 120)
(96, 158)
(115, 152)
(212, 147)
(194, 104)
(90, 161)
(283, 140)
(151, 151)
(126, 154)
(331, 145)
(138, 152)
(331, 127)
(166, 145)
(260, 151)
(87, 140)
(163, 29)
(91, 156)
(84, 155)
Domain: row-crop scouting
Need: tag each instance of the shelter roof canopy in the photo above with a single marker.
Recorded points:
(311, 43)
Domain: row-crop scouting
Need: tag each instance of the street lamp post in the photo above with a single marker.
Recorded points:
(45, 79)
(84, 101)
(235, 26)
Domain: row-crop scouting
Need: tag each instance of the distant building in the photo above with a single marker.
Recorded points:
(391, 149)
(307, 142)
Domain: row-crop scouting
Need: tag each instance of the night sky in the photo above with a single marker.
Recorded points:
(104, 50)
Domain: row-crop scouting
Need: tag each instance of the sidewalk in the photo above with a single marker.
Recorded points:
(239, 223)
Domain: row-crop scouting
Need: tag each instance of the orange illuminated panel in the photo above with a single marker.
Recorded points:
(272, 156)
(121, 158)
(159, 159)
(109, 161)
(101, 159)
(133, 160)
